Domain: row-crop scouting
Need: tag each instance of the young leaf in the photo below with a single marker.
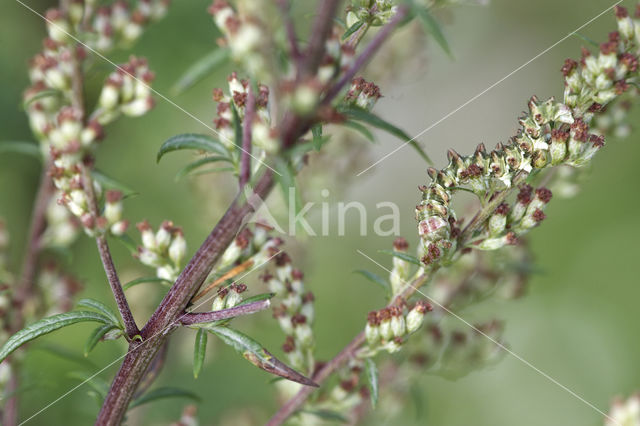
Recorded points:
(21, 147)
(199, 69)
(316, 131)
(47, 325)
(41, 95)
(376, 279)
(360, 129)
(95, 337)
(372, 380)
(237, 127)
(253, 352)
(370, 118)
(200, 347)
(352, 29)
(137, 281)
(432, 26)
(102, 308)
(403, 256)
(201, 162)
(192, 141)
(111, 183)
(256, 298)
(166, 392)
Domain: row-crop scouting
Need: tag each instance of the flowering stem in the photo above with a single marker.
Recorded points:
(319, 33)
(366, 54)
(25, 283)
(107, 262)
(289, 27)
(331, 366)
(203, 317)
(245, 165)
(487, 210)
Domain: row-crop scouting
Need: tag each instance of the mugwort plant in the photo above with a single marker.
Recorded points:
(287, 101)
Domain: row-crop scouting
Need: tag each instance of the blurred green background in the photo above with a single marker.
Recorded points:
(578, 322)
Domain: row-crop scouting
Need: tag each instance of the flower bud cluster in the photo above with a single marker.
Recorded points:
(57, 289)
(122, 23)
(62, 227)
(263, 136)
(164, 249)
(362, 94)
(244, 34)
(371, 12)
(624, 412)
(295, 312)
(228, 297)
(256, 245)
(551, 134)
(126, 91)
(388, 328)
(338, 56)
(350, 391)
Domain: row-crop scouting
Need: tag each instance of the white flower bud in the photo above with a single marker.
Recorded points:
(177, 248)
(285, 324)
(137, 107)
(398, 326)
(167, 272)
(304, 335)
(163, 238)
(415, 317)
(218, 303)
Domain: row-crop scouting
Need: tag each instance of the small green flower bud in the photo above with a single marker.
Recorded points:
(498, 221)
(57, 26)
(384, 317)
(113, 206)
(163, 235)
(415, 317)
(398, 326)
(372, 329)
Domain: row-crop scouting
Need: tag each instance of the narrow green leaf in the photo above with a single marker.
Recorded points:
(111, 183)
(316, 131)
(198, 163)
(47, 325)
(370, 118)
(587, 39)
(200, 69)
(352, 29)
(161, 393)
(287, 179)
(328, 415)
(192, 141)
(253, 352)
(95, 337)
(214, 170)
(432, 26)
(199, 350)
(21, 147)
(256, 298)
(237, 128)
(376, 279)
(137, 281)
(360, 129)
(403, 256)
(41, 95)
(102, 308)
(372, 380)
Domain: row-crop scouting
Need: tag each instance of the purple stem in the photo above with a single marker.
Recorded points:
(249, 114)
(202, 317)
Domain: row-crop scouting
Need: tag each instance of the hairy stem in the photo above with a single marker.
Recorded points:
(167, 315)
(236, 311)
(107, 262)
(245, 165)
